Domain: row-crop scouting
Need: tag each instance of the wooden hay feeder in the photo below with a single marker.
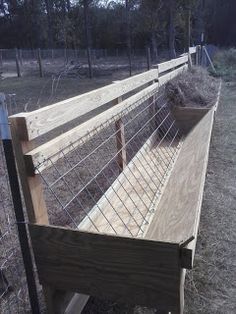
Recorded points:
(132, 245)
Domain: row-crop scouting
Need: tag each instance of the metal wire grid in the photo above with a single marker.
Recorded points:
(13, 287)
(76, 182)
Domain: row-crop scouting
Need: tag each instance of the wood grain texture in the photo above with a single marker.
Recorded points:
(192, 50)
(126, 270)
(127, 206)
(177, 215)
(169, 76)
(38, 155)
(187, 117)
(39, 122)
(166, 66)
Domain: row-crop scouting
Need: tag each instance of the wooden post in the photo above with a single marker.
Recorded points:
(148, 58)
(20, 57)
(1, 60)
(52, 54)
(17, 63)
(190, 62)
(89, 63)
(40, 63)
(120, 143)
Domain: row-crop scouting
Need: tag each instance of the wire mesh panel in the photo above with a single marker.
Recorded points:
(13, 287)
(112, 178)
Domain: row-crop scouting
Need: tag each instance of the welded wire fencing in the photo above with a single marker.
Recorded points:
(73, 63)
(111, 179)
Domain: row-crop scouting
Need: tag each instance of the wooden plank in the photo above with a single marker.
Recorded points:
(177, 215)
(50, 149)
(35, 203)
(192, 50)
(187, 117)
(169, 76)
(166, 66)
(127, 270)
(31, 185)
(38, 122)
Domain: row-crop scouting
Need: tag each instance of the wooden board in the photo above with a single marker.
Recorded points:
(169, 76)
(187, 117)
(177, 215)
(166, 66)
(51, 148)
(33, 124)
(127, 206)
(192, 50)
(126, 270)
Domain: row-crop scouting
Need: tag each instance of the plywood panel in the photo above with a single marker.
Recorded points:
(177, 215)
(126, 270)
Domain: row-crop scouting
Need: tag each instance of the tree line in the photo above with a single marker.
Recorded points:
(158, 24)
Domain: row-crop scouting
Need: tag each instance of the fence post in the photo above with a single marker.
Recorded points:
(18, 208)
(148, 58)
(17, 63)
(89, 62)
(40, 62)
(20, 57)
(120, 143)
(1, 60)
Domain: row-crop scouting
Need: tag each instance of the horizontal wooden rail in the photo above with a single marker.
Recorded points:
(37, 156)
(166, 66)
(192, 50)
(169, 76)
(33, 124)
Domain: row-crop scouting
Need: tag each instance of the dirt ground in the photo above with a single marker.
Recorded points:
(211, 286)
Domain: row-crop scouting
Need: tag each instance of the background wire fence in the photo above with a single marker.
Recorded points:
(85, 188)
(73, 63)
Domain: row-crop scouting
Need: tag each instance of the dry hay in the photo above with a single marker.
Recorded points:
(194, 88)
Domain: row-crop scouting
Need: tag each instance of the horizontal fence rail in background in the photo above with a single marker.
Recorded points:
(70, 178)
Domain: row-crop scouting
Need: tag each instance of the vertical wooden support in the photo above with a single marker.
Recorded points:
(37, 213)
(121, 147)
(190, 62)
(40, 62)
(148, 52)
(89, 62)
(20, 57)
(65, 56)
(52, 54)
(17, 63)
(1, 59)
(18, 207)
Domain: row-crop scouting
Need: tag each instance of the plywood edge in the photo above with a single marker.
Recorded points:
(136, 271)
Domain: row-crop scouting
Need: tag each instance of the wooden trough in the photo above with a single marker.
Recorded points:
(145, 268)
